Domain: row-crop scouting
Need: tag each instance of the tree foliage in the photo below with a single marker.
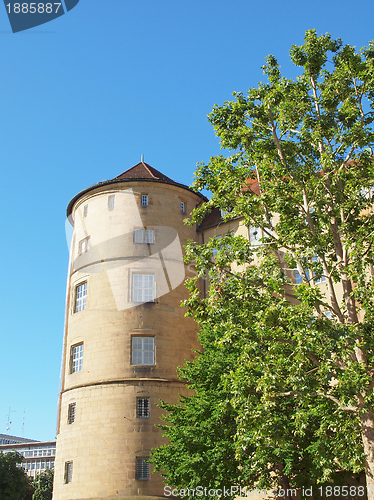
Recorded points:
(14, 483)
(300, 384)
(43, 484)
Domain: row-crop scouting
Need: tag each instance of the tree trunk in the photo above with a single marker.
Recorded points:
(284, 483)
(367, 432)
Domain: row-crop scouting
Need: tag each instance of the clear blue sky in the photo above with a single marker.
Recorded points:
(82, 97)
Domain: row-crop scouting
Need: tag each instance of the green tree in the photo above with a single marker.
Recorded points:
(302, 384)
(43, 484)
(14, 483)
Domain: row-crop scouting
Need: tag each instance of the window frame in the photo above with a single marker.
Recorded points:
(144, 201)
(68, 475)
(142, 469)
(254, 234)
(183, 206)
(111, 201)
(139, 356)
(80, 302)
(321, 278)
(84, 245)
(76, 363)
(72, 412)
(143, 410)
(143, 297)
(85, 210)
(141, 236)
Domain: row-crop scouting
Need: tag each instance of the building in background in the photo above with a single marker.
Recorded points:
(38, 455)
(125, 333)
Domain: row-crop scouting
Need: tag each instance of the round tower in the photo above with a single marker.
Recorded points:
(125, 333)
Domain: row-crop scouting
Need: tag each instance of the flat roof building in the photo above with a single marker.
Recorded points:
(37, 455)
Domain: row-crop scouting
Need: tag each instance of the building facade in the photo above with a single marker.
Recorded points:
(38, 456)
(125, 333)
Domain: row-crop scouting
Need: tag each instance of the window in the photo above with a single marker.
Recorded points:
(68, 472)
(317, 277)
(144, 236)
(143, 288)
(142, 407)
(328, 314)
(144, 200)
(298, 277)
(76, 358)
(85, 210)
(84, 245)
(183, 207)
(71, 413)
(80, 297)
(254, 235)
(142, 468)
(111, 200)
(143, 351)
(218, 247)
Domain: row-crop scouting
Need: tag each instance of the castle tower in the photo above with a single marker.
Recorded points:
(125, 333)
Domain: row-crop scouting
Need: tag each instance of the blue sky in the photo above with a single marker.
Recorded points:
(82, 97)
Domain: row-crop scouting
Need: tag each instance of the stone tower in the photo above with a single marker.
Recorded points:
(125, 333)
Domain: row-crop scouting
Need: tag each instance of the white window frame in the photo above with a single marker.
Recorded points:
(143, 288)
(76, 358)
(254, 235)
(80, 297)
(111, 201)
(84, 245)
(142, 407)
(142, 468)
(142, 235)
(142, 350)
(144, 200)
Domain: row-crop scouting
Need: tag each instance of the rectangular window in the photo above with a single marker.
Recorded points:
(254, 235)
(144, 200)
(138, 236)
(71, 413)
(143, 351)
(85, 211)
(183, 207)
(142, 407)
(143, 288)
(76, 358)
(111, 200)
(80, 297)
(142, 468)
(317, 277)
(84, 245)
(68, 472)
(144, 236)
(298, 277)
(149, 236)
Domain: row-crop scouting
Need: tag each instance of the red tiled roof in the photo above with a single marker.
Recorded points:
(214, 217)
(253, 185)
(144, 171)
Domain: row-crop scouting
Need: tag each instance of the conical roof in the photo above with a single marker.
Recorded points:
(143, 171)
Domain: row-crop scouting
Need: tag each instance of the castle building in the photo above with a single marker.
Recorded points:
(125, 333)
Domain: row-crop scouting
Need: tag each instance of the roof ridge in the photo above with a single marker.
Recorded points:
(146, 166)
